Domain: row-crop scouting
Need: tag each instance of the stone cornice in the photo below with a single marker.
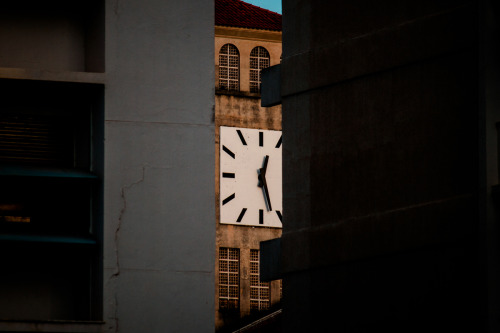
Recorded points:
(251, 34)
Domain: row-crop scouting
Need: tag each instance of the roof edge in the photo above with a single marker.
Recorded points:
(239, 27)
(250, 34)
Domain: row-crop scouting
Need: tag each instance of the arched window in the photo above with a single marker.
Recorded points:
(229, 68)
(259, 59)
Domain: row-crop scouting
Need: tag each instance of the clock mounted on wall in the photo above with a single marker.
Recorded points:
(250, 177)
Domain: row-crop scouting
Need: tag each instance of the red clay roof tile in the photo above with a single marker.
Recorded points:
(236, 13)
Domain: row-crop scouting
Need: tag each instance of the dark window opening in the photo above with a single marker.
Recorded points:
(51, 201)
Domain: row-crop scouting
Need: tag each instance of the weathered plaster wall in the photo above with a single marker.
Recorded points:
(242, 111)
(159, 236)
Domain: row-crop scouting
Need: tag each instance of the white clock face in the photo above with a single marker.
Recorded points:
(250, 177)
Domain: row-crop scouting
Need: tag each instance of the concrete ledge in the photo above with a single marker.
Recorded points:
(51, 326)
(58, 76)
(237, 93)
(406, 43)
(438, 222)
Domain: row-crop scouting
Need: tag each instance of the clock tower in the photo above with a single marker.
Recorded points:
(248, 166)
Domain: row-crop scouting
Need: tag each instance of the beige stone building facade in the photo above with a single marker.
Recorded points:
(240, 54)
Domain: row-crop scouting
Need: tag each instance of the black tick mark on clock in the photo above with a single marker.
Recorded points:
(229, 198)
(241, 138)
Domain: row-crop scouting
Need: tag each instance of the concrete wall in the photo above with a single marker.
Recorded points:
(159, 236)
(383, 127)
(138, 76)
(490, 27)
(29, 34)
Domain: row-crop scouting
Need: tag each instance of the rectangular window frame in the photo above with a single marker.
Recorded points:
(229, 278)
(260, 292)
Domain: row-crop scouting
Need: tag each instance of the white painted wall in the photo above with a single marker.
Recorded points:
(159, 237)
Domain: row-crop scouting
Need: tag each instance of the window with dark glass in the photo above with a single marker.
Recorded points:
(259, 291)
(229, 68)
(229, 278)
(259, 59)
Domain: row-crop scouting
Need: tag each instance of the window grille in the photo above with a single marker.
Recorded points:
(259, 291)
(229, 68)
(229, 270)
(36, 140)
(259, 59)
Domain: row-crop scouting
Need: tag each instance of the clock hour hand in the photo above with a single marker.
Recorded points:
(266, 195)
(262, 172)
(264, 166)
(262, 183)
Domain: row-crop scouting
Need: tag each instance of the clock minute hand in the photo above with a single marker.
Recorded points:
(266, 194)
(264, 166)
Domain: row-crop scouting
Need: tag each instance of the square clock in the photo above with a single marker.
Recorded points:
(250, 177)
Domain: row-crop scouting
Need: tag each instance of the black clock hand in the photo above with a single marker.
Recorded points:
(265, 191)
(266, 159)
(263, 183)
(262, 172)
(266, 194)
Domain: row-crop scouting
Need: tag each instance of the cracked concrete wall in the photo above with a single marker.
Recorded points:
(159, 230)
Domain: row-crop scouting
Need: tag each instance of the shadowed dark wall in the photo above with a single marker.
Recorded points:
(384, 163)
